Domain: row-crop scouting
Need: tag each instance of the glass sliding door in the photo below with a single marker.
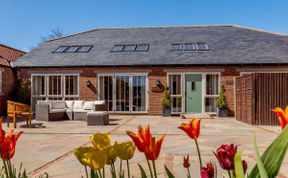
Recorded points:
(122, 93)
(212, 92)
(106, 90)
(38, 90)
(175, 87)
(71, 87)
(139, 93)
(54, 87)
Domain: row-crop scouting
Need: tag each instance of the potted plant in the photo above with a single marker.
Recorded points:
(166, 102)
(221, 103)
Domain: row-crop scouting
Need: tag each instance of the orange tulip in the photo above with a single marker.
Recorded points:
(152, 153)
(9, 144)
(192, 129)
(282, 116)
(142, 139)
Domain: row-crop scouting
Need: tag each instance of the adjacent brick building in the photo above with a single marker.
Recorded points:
(127, 67)
(7, 76)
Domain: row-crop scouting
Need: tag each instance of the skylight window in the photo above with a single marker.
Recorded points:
(61, 49)
(72, 49)
(130, 48)
(142, 47)
(190, 47)
(177, 47)
(85, 49)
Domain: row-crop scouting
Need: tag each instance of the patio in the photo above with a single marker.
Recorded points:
(47, 146)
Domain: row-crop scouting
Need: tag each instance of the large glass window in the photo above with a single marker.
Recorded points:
(71, 87)
(212, 91)
(139, 93)
(175, 87)
(122, 93)
(106, 90)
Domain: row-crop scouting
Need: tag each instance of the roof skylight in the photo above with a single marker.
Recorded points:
(130, 48)
(190, 47)
(61, 49)
(73, 49)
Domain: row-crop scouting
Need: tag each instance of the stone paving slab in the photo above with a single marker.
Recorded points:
(48, 148)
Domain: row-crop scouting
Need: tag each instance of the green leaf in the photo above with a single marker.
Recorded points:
(273, 156)
(262, 171)
(143, 174)
(168, 172)
(239, 171)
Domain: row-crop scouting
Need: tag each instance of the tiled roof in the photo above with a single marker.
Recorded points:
(8, 54)
(229, 45)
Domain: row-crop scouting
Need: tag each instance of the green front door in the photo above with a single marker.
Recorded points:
(193, 87)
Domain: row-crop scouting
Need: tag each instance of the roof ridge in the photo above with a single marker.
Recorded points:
(13, 48)
(260, 30)
(144, 27)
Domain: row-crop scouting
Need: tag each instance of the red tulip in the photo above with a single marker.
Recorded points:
(186, 163)
(225, 155)
(153, 151)
(142, 139)
(192, 129)
(2, 133)
(8, 147)
(282, 116)
(245, 166)
(208, 171)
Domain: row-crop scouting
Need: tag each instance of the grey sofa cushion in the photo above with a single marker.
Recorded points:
(44, 102)
(99, 102)
(88, 105)
(58, 105)
(81, 110)
(69, 104)
(57, 110)
(78, 104)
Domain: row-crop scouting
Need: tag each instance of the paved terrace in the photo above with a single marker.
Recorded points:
(47, 147)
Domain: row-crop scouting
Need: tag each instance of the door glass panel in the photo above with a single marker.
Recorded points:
(38, 85)
(210, 104)
(106, 90)
(139, 93)
(212, 84)
(175, 88)
(71, 85)
(122, 93)
(177, 105)
(54, 85)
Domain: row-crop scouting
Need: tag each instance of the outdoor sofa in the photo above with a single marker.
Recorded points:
(72, 110)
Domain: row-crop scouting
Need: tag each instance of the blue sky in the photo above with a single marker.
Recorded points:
(24, 22)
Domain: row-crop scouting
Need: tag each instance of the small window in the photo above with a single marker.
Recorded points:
(189, 47)
(117, 48)
(84, 49)
(129, 48)
(72, 49)
(177, 47)
(193, 86)
(61, 49)
(142, 47)
(202, 47)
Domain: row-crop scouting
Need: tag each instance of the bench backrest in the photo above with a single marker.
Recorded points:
(13, 106)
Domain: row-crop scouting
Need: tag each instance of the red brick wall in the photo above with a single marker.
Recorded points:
(8, 80)
(154, 74)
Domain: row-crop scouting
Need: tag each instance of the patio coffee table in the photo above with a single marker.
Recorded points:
(97, 118)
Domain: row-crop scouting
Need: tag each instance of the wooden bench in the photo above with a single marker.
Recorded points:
(18, 110)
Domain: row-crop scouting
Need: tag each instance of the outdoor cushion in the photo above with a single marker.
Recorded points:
(80, 110)
(57, 110)
(88, 105)
(69, 104)
(58, 105)
(44, 102)
(78, 104)
(99, 102)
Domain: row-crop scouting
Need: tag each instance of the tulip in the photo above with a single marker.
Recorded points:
(125, 150)
(142, 139)
(80, 152)
(9, 144)
(154, 148)
(282, 116)
(186, 163)
(208, 171)
(111, 154)
(96, 159)
(2, 133)
(225, 155)
(100, 140)
(245, 166)
(192, 129)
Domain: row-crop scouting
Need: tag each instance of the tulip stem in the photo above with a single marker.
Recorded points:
(121, 167)
(103, 172)
(199, 155)
(5, 166)
(9, 167)
(149, 167)
(229, 174)
(128, 169)
(86, 171)
(154, 167)
(99, 171)
(189, 175)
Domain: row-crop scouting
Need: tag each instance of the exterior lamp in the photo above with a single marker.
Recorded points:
(88, 83)
(158, 83)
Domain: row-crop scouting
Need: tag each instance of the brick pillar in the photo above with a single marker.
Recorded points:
(88, 93)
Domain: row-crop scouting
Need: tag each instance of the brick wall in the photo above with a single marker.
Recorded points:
(8, 80)
(154, 74)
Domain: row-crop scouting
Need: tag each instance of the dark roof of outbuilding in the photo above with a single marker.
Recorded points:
(229, 45)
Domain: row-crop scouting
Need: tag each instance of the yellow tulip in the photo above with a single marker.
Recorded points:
(96, 159)
(125, 150)
(80, 152)
(100, 140)
(111, 154)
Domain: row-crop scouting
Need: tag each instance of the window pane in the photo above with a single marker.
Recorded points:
(106, 90)
(117, 48)
(142, 47)
(189, 47)
(212, 84)
(72, 49)
(71, 85)
(54, 85)
(122, 93)
(139, 93)
(38, 85)
(175, 84)
(176, 47)
(202, 47)
(84, 49)
(176, 104)
(129, 48)
(210, 104)
(61, 49)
